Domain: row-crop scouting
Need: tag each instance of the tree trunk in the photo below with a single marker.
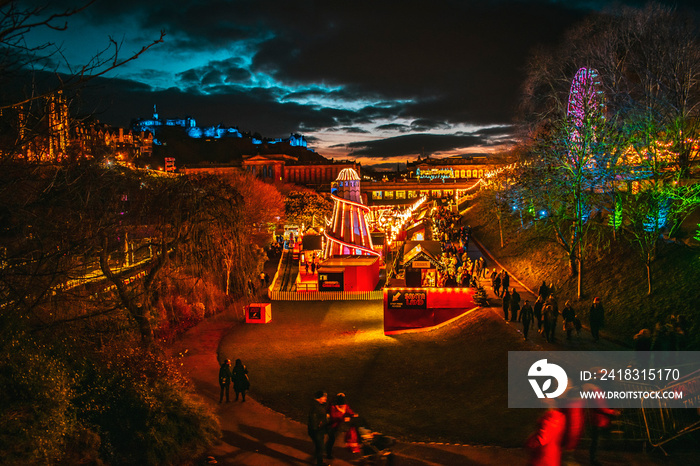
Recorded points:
(572, 264)
(649, 289)
(579, 281)
(500, 229)
(140, 314)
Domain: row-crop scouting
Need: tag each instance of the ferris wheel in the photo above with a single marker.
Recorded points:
(585, 96)
(586, 103)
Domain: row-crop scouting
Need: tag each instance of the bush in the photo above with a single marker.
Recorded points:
(35, 405)
(65, 403)
(142, 409)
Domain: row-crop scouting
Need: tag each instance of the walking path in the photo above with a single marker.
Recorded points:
(255, 435)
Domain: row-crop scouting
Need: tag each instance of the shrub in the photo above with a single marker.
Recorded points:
(35, 409)
(142, 408)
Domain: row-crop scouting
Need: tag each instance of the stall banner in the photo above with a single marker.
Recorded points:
(407, 299)
(331, 281)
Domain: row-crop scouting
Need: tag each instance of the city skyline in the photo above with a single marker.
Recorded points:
(381, 81)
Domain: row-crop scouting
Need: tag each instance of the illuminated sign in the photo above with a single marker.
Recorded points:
(406, 299)
(331, 281)
(435, 173)
(420, 264)
(254, 313)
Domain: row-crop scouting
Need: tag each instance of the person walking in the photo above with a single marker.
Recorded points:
(225, 380)
(545, 444)
(547, 321)
(317, 424)
(569, 316)
(600, 416)
(506, 303)
(514, 306)
(505, 280)
(596, 317)
(543, 291)
(496, 283)
(339, 417)
(526, 315)
(553, 317)
(537, 312)
(241, 383)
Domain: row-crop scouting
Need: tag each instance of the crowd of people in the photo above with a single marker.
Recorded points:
(668, 335)
(457, 269)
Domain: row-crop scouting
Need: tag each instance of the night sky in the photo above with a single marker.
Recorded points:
(377, 80)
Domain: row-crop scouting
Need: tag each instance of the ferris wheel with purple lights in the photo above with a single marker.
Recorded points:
(586, 105)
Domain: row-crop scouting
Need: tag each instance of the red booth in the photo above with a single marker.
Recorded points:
(258, 313)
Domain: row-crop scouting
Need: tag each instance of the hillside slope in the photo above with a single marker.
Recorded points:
(614, 272)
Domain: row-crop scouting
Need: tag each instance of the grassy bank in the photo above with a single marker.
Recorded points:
(613, 271)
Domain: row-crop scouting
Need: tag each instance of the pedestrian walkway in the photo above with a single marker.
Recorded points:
(579, 342)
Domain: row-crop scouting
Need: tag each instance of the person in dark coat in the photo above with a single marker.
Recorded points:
(526, 315)
(505, 280)
(642, 346)
(537, 312)
(569, 316)
(514, 306)
(241, 383)
(596, 318)
(317, 425)
(543, 291)
(224, 379)
(553, 317)
(496, 283)
(549, 320)
(506, 303)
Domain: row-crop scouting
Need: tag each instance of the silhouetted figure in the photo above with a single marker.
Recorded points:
(241, 383)
(596, 318)
(526, 316)
(317, 425)
(506, 303)
(514, 305)
(225, 380)
(568, 315)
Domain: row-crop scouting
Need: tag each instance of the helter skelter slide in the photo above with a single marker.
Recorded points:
(347, 232)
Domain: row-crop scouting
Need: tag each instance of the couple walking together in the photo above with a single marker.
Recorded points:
(238, 374)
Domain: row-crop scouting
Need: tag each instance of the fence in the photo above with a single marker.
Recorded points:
(664, 424)
(326, 295)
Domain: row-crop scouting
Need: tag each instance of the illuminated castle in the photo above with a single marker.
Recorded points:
(347, 231)
(190, 128)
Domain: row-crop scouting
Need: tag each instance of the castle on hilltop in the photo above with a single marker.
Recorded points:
(188, 124)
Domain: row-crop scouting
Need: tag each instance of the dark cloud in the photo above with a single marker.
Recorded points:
(496, 131)
(401, 128)
(349, 129)
(249, 110)
(290, 66)
(412, 144)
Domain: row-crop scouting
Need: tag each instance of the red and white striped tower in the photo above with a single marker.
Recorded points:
(347, 232)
